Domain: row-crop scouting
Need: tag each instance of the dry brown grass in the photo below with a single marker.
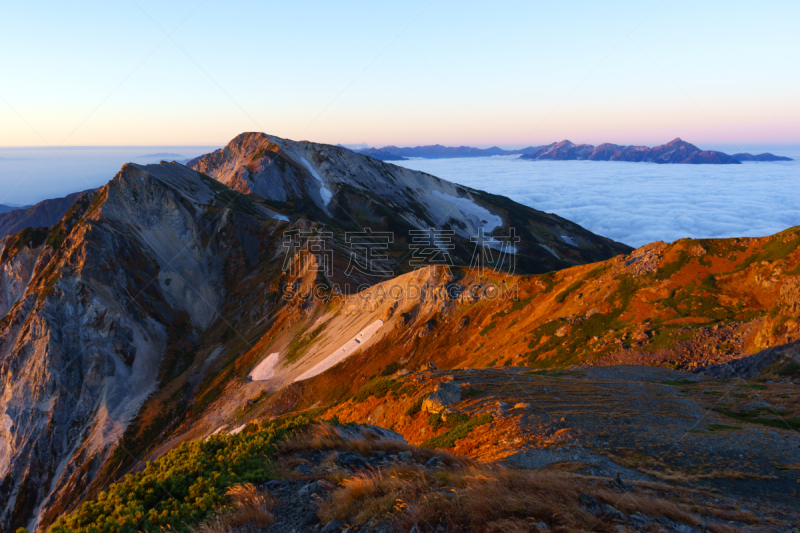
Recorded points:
(485, 499)
(324, 437)
(248, 506)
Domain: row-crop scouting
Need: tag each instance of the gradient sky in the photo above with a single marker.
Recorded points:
(415, 72)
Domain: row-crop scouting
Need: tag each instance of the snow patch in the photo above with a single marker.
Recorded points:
(506, 247)
(215, 432)
(342, 353)
(481, 217)
(265, 369)
(550, 250)
(237, 430)
(324, 192)
(569, 240)
(280, 217)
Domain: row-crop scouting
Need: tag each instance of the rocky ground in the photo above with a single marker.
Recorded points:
(734, 437)
(328, 483)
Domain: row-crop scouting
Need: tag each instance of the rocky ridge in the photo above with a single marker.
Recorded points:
(125, 318)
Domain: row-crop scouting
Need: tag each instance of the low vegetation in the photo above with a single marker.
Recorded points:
(185, 486)
(459, 426)
(379, 388)
(494, 500)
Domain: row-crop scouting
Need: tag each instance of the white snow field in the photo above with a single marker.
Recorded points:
(237, 430)
(265, 369)
(472, 210)
(343, 352)
(324, 192)
(638, 203)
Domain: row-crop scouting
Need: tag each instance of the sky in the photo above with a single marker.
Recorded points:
(149, 73)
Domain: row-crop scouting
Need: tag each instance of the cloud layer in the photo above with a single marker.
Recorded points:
(637, 203)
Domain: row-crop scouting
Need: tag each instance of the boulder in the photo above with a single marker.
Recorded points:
(333, 525)
(446, 393)
(405, 457)
(434, 462)
(350, 460)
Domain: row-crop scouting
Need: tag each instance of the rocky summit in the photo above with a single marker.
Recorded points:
(291, 336)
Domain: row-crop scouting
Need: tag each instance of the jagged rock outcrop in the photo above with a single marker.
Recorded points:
(445, 394)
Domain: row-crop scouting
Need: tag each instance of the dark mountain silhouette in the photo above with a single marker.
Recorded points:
(45, 213)
(766, 156)
(676, 151)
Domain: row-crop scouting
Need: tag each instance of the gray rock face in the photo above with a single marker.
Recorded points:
(446, 393)
(81, 350)
(326, 180)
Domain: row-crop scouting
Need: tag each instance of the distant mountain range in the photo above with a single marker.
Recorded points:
(168, 156)
(45, 213)
(676, 151)
(437, 151)
(6, 208)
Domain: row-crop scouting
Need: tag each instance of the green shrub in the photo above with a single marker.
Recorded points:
(381, 387)
(415, 407)
(489, 327)
(668, 270)
(453, 420)
(464, 428)
(561, 296)
(390, 369)
(792, 424)
(790, 369)
(183, 487)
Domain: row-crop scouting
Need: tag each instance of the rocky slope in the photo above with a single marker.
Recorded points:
(97, 308)
(692, 305)
(351, 192)
(150, 296)
(686, 305)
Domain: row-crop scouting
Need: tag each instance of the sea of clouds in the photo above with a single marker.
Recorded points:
(32, 174)
(638, 203)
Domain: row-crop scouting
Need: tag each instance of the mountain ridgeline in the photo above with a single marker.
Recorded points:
(169, 305)
(45, 213)
(676, 151)
(111, 320)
